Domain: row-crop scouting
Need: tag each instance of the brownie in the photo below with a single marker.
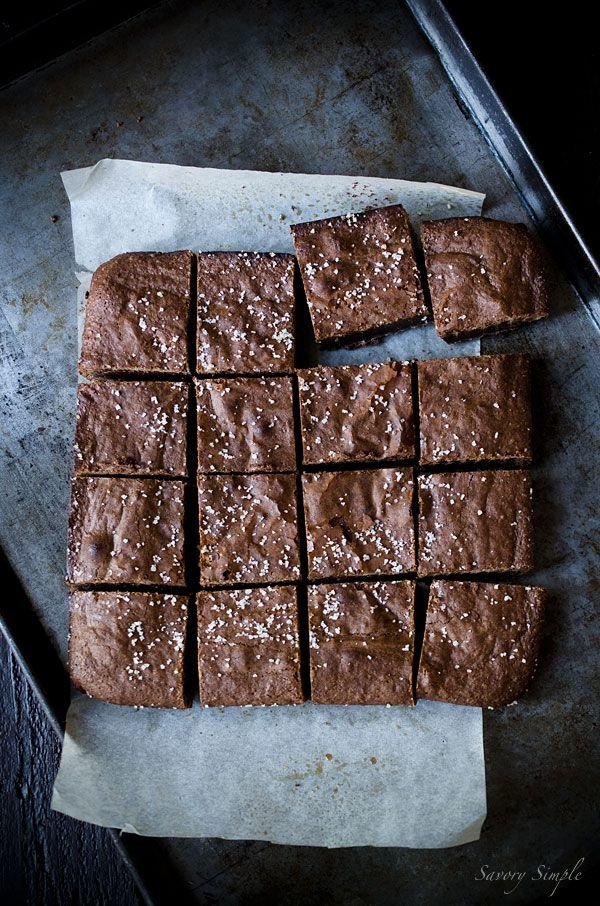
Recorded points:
(481, 642)
(484, 275)
(126, 531)
(246, 425)
(248, 529)
(357, 413)
(137, 315)
(360, 274)
(359, 523)
(126, 427)
(361, 643)
(245, 312)
(248, 646)
(128, 647)
(475, 522)
(475, 409)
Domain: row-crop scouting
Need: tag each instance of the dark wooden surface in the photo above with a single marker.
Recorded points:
(47, 858)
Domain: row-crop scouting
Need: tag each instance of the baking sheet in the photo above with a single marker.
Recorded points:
(307, 775)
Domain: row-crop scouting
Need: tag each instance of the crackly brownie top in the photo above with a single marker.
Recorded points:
(131, 427)
(359, 273)
(361, 643)
(245, 312)
(359, 522)
(137, 315)
(481, 642)
(248, 529)
(249, 646)
(476, 408)
(483, 275)
(126, 530)
(357, 412)
(128, 647)
(245, 424)
(472, 522)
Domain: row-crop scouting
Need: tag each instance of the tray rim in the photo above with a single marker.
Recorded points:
(475, 92)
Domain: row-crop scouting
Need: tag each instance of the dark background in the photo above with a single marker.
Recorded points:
(544, 66)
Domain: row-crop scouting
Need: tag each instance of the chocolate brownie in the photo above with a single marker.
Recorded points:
(361, 643)
(481, 642)
(137, 315)
(248, 647)
(245, 312)
(360, 274)
(126, 427)
(128, 647)
(248, 529)
(126, 531)
(484, 275)
(475, 409)
(357, 413)
(475, 522)
(246, 425)
(359, 523)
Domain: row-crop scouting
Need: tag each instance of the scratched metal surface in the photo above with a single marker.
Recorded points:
(335, 88)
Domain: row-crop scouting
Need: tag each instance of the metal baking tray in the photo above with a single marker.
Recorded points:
(381, 89)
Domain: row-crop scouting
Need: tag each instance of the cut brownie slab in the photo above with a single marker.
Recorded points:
(361, 643)
(360, 274)
(475, 409)
(481, 642)
(248, 529)
(126, 531)
(137, 315)
(246, 425)
(484, 275)
(245, 312)
(359, 523)
(126, 427)
(248, 647)
(475, 522)
(128, 647)
(357, 413)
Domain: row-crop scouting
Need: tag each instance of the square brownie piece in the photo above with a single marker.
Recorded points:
(131, 427)
(126, 531)
(248, 529)
(359, 523)
(248, 647)
(360, 274)
(484, 275)
(475, 522)
(357, 413)
(245, 312)
(128, 647)
(475, 409)
(246, 425)
(137, 315)
(481, 642)
(361, 643)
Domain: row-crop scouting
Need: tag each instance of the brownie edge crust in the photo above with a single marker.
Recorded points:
(127, 648)
(481, 642)
(246, 313)
(475, 409)
(126, 531)
(248, 647)
(484, 275)
(137, 316)
(362, 643)
(360, 274)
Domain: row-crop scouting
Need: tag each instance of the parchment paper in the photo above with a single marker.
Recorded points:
(306, 775)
